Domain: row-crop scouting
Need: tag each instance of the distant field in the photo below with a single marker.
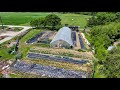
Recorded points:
(23, 18)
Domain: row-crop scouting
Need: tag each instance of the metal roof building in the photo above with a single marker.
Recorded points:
(62, 38)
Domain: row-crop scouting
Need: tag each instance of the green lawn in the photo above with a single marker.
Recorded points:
(4, 54)
(23, 47)
(97, 73)
(23, 18)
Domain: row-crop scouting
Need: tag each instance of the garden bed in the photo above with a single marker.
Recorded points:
(49, 71)
(35, 38)
(56, 58)
(63, 52)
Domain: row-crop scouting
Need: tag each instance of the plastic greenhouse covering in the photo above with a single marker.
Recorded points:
(63, 34)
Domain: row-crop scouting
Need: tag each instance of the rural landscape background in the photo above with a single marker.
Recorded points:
(100, 59)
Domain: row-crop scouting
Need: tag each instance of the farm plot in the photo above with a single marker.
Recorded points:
(56, 58)
(45, 39)
(81, 42)
(49, 71)
(63, 52)
(34, 38)
(74, 37)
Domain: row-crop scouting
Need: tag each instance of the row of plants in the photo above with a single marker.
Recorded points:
(62, 53)
(48, 52)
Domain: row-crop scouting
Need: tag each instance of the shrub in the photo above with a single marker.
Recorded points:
(18, 56)
(14, 47)
(81, 50)
(52, 22)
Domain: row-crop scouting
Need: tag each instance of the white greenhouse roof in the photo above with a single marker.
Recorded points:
(63, 34)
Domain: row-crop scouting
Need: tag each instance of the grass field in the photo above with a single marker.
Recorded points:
(4, 54)
(23, 18)
(23, 47)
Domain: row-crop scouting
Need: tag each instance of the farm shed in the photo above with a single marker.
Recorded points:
(62, 39)
(74, 28)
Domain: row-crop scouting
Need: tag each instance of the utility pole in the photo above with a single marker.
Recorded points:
(1, 23)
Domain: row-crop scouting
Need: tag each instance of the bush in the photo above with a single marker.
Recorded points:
(80, 50)
(18, 56)
(102, 18)
(1, 75)
(11, 49)
(112, 64)
(52, 22)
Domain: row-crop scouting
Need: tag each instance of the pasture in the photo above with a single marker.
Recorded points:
(23, 18)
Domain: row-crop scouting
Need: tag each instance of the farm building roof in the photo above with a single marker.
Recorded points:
(63, 34)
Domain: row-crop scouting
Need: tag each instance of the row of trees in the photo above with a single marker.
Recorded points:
(83, 13)
(51, 21)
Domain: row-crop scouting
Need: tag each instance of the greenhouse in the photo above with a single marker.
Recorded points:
(62, 39)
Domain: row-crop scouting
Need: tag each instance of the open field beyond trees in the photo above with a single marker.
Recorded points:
(20, 18)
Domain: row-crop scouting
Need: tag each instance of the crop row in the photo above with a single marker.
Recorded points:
(48, 71)
(56, 58)
(81, 41)
(74, 37)
(45, 39)
(34, 38)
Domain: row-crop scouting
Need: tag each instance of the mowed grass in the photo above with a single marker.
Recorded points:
(4, 54)
(23, 47)
(23, 18)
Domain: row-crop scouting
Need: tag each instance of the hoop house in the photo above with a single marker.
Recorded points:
(62, 39)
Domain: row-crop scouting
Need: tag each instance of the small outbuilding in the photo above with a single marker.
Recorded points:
(62, 39)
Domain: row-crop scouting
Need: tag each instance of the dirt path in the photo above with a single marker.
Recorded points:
(12, 35)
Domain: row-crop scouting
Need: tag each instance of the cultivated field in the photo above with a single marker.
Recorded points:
(37, 58)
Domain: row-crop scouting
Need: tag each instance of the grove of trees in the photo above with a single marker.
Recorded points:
(105, 30)
(102, 18)
(112, 64)
(51, 21)
(103, 36)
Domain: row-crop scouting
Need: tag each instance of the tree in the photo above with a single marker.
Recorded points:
(118, 16)
(52, 20)
(92, 21)
(38, 23)
(102, 18)
(112, 64)
(34, 23)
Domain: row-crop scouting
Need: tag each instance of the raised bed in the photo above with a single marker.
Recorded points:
(48, 71)
(55, 58)
(45, 39)
(34, 38)
(81, 42)
(74, 37)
